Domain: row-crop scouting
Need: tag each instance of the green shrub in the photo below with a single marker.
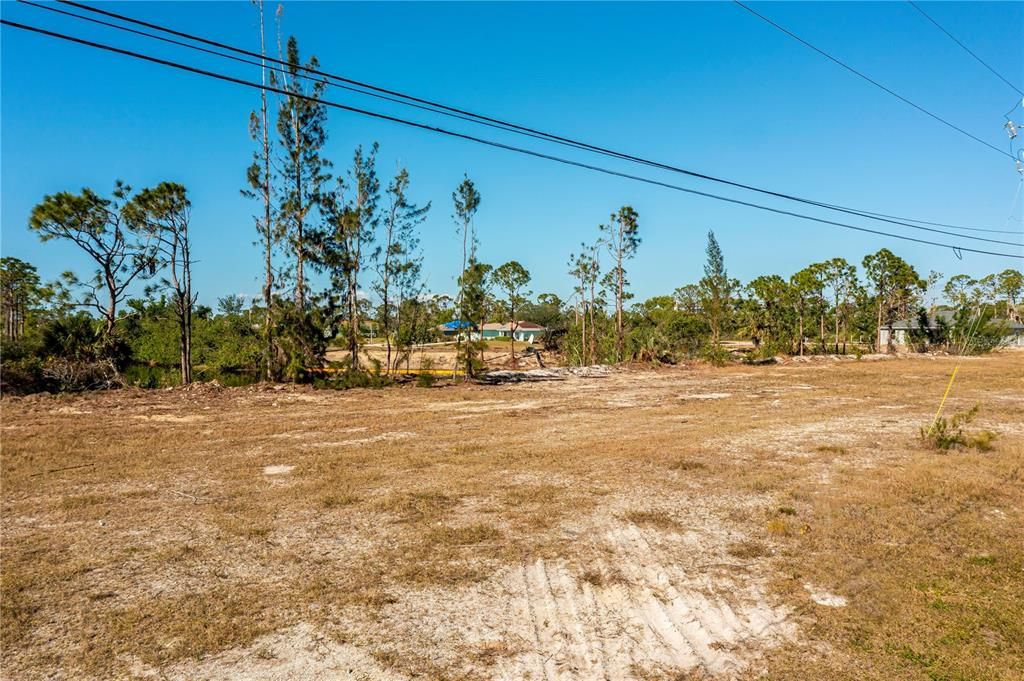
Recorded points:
(717, 355)
(948, 434)
(22, 376)
(426, 379)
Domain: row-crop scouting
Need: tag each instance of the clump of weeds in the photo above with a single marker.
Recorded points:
(948, 434)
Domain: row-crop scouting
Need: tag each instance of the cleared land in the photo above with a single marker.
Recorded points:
(442, 356)
(684, 523)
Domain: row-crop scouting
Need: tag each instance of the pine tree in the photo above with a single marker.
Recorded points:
(512, 278)
(398, 265)
(467, 201)
(841, 277)
(96, 225)
(621, 237)
(162, 215)
(585, 268)
(716, 290)
(896, 285)
(300, 125)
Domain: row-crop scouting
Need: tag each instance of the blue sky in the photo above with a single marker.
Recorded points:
(702, 85)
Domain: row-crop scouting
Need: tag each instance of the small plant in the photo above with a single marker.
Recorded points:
(947, 434)
(982, 440)
(717, 356)
(426, 377)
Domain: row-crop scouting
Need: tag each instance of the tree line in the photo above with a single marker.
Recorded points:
(358, 235)
(827, 307)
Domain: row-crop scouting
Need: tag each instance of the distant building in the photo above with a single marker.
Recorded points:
(455, 327)
(526, 332)
(899, 332)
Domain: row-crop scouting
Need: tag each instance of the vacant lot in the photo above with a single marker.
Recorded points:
(683, 523)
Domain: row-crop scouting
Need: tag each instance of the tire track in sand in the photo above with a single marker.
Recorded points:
(657, 617)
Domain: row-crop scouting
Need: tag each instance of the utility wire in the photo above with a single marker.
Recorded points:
(321, 77)
(964, 47)
(874, 82)
(479, 140)
(942, 224)
(461, 114)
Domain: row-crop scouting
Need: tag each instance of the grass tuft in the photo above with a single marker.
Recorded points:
(462, 536)
(687, 465)
(656, 519)
(339, 500)
(747, 550)
(426, 505)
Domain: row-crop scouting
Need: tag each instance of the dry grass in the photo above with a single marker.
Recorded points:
(657, 519)
(406, 509)
(687, 465)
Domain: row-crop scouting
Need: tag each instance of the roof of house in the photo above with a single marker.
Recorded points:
(946, 316)
(520, 326)
(456, 324)
(913, 324)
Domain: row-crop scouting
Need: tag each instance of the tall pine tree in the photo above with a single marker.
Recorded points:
(303, 170)
(621, 237)
(398, 264)
(716, 290)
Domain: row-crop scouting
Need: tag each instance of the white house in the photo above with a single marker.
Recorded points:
(526, 332)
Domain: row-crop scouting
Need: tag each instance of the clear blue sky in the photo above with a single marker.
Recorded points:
(705, 86)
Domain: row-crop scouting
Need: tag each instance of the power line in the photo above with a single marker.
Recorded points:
(964, 47)
(461, 114)
(874, 82)
(491, 143)
(941, 224)
(252, 62)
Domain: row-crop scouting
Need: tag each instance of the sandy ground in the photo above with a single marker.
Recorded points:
(676, 523)
(443, 355)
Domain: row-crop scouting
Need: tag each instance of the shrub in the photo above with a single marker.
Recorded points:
(975, 332)
(469, 357)
(22, 376)
(947, 434)
(74, 338)
(426, 379)
(717, 355)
